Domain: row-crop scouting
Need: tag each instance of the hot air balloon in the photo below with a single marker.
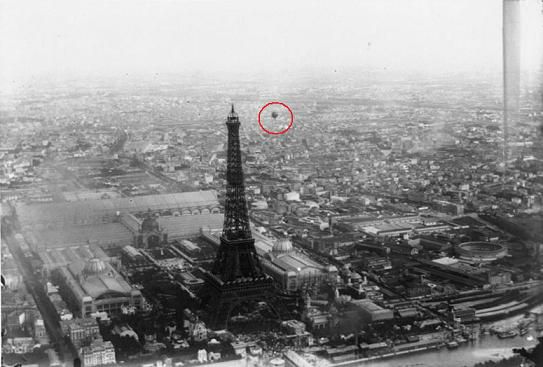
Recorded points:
(274, 114)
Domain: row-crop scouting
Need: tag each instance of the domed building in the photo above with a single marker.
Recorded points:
(292, 269)
(150, 224)
(151, 234)
(95, 286)
(282, 246)
(95, 266)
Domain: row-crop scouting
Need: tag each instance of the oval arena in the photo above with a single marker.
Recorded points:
(480, 251)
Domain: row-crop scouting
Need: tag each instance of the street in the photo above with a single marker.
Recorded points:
(65, 349)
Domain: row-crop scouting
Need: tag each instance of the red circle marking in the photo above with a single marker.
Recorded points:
(276, 132)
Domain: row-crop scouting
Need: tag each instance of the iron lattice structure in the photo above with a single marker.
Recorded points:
(236, 219)
(237, 274)
(236, 257)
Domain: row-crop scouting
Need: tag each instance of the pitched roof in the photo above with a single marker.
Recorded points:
(69, 212)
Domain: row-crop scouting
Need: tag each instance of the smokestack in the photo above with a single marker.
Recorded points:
(511, 69)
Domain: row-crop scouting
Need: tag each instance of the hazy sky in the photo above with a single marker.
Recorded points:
(170, 36)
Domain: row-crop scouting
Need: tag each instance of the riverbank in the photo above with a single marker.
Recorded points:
(484, 349)
(487, 348)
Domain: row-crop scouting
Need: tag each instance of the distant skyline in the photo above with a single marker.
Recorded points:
(114, 37)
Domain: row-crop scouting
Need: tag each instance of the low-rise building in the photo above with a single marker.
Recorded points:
(98, 353)
(373, 312)
(96, 286)
(81, 331)
(40, 334)
(18, 345)
(465, 314)
(293, 327)
(293, 270)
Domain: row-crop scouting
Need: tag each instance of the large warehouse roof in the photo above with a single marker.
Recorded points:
(99, 234)
(67, 211)
(185, 225)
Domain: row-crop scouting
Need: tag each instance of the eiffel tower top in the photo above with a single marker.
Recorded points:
(232, 116)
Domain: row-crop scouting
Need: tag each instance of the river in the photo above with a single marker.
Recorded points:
(487, 347)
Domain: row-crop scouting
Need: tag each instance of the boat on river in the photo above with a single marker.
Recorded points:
(507, 334)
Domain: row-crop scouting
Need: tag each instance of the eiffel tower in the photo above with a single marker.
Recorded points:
(236, 276)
